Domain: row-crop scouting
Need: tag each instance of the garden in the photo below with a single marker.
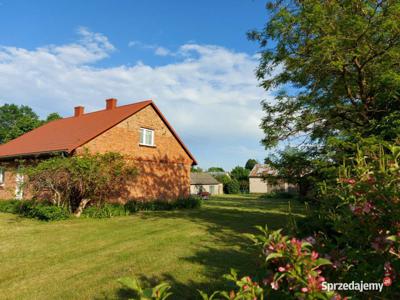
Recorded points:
(82, 258)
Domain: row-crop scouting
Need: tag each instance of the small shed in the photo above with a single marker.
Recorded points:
(258, 183)
(203, 182)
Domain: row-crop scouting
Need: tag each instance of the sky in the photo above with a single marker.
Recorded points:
(192, 58)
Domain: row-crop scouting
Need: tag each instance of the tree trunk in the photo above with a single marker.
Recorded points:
(81, 207)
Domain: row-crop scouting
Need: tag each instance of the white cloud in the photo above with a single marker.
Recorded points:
(210, 94)
(158, 50)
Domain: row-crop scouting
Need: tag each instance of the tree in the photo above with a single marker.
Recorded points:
(75, 181)
(241, 175)
(250, 164)
(293, 166)
(225, 180)
(342, 59)
(232, 187)
(215, 169)
(16, 120)
(52, 117)
(196, 170)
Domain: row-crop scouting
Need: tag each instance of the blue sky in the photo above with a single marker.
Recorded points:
(191, 57)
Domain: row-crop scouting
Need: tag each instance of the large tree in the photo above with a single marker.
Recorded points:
(335, 65)
(16, 120)
(250, 164)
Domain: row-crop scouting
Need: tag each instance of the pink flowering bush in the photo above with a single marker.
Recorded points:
(292, 266)
(357, 225)
(291, 269)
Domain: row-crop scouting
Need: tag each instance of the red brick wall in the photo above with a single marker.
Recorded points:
(164, 170)
(7, 190)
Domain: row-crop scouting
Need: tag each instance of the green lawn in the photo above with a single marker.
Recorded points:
(82, 258)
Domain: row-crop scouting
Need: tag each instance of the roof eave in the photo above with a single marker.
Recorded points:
(34, 154)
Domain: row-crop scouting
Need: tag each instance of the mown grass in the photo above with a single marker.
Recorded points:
(82, 258)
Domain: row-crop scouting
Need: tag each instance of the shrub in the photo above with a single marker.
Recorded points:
(43, 211)
(190, 202)
(9, 206)
(159, 292)
(279, 195)
(233, 187)
(357, 220)
(75, 181)
(105, 211)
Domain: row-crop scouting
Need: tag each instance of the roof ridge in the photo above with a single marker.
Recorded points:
(118, 107)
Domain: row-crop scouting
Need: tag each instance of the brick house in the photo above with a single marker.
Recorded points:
(138, 131)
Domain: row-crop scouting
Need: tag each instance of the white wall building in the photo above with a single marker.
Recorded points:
(203, 182)
(257, 183)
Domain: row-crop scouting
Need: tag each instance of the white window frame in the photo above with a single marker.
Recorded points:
(2, 176)
(142, 137)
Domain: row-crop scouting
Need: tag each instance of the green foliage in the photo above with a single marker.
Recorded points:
(9, 206)
(52, 117)
(75, 181)
(246, 289)
(159, 292)
(250, 164)
(359, 214)
(303, 168)
(279, 195)
(43, 211)
(190, 202)
(105, 211)
(240, 173)
(215, 169)
(16, 120)
(292, 267)
(196, 170)
(224, 179)
(345, 68)
(232, 187)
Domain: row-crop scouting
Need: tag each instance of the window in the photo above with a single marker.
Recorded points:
(1, 176)
(146, 137)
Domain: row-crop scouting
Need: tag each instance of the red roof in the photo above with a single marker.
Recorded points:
(260, 170)
(67, 134)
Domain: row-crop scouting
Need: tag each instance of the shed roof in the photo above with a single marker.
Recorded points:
(260, 170)
(202, 178)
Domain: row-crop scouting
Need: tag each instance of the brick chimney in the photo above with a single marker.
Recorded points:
(111, 103)
(79, 111)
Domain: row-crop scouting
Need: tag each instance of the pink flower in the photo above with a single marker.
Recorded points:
(321, 279)
(281, 269)
(245, 287)
(304, 290)
(274, 285)
(314, 255)
(387, 281)
(310, 240)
